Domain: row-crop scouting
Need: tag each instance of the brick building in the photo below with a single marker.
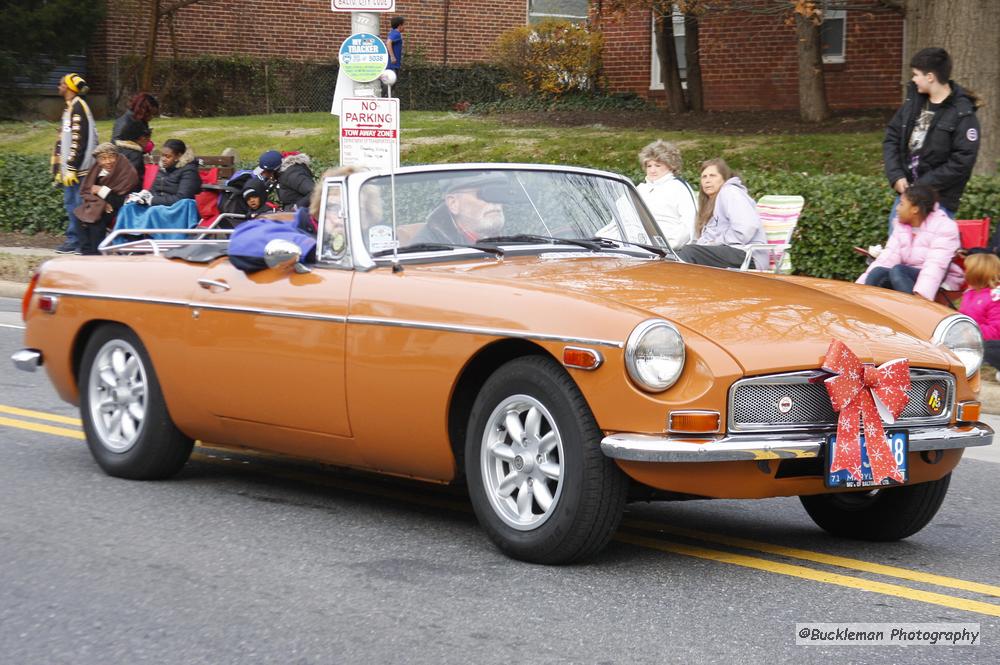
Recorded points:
(749, 61)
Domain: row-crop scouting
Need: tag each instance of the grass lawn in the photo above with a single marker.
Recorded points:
(451, 137)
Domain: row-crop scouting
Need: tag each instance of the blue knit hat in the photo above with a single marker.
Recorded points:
(270, 160)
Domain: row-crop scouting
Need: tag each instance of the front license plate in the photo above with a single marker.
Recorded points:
(899, 444)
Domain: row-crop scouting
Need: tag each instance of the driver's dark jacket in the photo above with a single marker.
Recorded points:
(949, 151)
(440, 228)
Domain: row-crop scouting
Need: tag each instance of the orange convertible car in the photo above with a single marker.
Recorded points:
(521, 329)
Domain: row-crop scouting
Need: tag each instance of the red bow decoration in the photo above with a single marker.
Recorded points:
(863, 392)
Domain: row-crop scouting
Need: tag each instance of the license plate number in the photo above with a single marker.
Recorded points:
(899, 445)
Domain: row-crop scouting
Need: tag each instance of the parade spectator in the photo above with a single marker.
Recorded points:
(667, 195)
(933, 139)
(169, 202)
(394, 41)
(103, 192)
(727, 218)
(73, 154)
(295, 181)
(178, 176)
(131, 133)
(255, 197)
(919, 255)
(982, 300)
(268, 166)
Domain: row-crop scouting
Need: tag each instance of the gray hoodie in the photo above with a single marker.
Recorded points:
(735, 220)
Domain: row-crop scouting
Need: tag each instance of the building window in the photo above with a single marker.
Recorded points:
(833, 35)
(566, 10)
(655, 82)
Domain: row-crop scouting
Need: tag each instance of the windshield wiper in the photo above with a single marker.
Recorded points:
(659, 251)
(436, 247)
(522, 238)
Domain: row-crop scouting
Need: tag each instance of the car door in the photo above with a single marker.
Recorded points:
(267, 349)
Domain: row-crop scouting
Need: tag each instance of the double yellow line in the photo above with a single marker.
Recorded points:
(650, 535)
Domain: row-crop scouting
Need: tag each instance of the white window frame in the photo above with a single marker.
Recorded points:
(655, 82)
(541, 15)
(835, 15)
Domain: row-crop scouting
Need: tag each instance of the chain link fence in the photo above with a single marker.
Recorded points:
(214, 86)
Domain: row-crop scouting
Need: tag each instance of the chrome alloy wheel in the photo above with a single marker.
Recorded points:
(118, 390)
(522, 462)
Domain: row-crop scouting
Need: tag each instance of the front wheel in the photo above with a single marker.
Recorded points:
(129, 431)
(539, 483)
(879, 515)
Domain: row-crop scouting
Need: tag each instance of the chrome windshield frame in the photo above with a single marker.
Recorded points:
(355, 181)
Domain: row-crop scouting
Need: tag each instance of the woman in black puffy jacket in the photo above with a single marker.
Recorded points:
(295, 181)
(178, 177)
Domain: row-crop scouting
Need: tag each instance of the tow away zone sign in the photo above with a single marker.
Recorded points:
(369, 132)
(363, 5)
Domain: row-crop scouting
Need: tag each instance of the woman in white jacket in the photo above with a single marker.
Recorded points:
(666, 194)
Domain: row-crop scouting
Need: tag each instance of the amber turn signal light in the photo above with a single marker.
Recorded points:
(694, 422)
(969, 411)
(574, 356)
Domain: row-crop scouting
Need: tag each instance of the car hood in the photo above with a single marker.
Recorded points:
(767, 323)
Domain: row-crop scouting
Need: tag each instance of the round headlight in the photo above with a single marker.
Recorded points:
(654, 355)
(962, 336)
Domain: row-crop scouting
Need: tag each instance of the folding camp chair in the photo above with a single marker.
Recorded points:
(972, 233)
(778, 215)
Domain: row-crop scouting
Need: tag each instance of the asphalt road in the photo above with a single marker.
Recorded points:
(251, 560)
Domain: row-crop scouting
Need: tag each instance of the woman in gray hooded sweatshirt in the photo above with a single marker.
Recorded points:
(727, 219)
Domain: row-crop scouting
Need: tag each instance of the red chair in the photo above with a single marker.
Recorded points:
(972, 233)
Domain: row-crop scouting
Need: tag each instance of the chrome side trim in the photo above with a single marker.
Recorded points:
(361, 320)
(278, 313)
(749, 447)
(27, 360)
(475, 330)
(117, 298)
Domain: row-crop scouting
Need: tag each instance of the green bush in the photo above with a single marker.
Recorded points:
(30, 202)
(843, 211)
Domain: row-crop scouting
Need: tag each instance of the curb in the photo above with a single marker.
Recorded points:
(12, 289)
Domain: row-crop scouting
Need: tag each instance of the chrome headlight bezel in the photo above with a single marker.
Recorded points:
(948, 327)
(634, 361)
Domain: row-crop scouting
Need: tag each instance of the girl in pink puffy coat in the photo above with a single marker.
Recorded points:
(918, 257)
(982, 300)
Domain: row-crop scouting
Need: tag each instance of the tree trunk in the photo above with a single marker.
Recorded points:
(147, 64)
(666, 50)
(692, 52)
(813, 106)
(968, 30)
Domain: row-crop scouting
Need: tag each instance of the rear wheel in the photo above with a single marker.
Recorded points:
(539, 483)
(880, 515)
(129, 432)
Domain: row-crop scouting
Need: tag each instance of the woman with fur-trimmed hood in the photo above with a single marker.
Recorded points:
(295, 181)
(178, 177)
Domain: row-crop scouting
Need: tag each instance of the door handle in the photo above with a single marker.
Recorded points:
(210, 283)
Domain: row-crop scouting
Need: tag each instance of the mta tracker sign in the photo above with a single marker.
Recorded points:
(369, 133)
(363, 5)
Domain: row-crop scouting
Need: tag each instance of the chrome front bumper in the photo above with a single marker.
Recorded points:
(762, 446)
(27, 359)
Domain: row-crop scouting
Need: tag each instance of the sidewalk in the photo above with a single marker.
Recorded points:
(10, 289)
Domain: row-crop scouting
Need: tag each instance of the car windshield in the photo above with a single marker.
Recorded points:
(466, 208)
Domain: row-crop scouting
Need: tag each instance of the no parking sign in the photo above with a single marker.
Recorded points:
(369, 133)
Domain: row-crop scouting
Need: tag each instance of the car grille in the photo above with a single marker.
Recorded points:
(754, 402)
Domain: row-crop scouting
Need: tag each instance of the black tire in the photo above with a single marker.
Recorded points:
(585, 503)
(146, 448)
(889, 514)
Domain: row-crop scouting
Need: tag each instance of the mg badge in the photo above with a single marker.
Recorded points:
(934, 398)
(785, 404)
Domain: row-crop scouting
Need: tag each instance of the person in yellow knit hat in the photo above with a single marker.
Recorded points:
(73, 154)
